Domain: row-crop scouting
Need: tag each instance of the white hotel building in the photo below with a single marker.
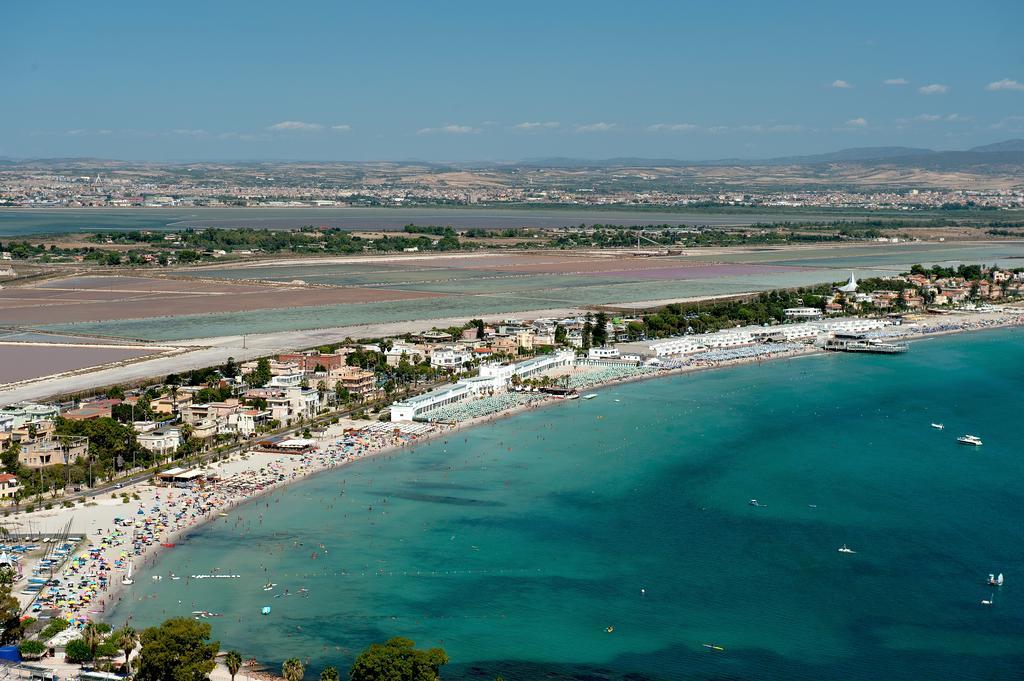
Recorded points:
(492, 378)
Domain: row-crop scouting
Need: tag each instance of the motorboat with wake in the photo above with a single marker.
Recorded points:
(846, 549)
(938, 426)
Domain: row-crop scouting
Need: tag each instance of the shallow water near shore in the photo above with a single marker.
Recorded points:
(516, 545)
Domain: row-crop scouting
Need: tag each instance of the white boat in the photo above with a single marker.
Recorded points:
(846, 549)
(590, 396)
(995, 581)
(939, 426)
(269, 586)
(127, 579)
(990, 601)
(972, 440)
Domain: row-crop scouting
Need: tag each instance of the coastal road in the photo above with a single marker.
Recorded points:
(206, 352)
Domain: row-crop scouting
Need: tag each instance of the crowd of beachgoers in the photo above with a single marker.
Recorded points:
(119, 534)
(484, 407)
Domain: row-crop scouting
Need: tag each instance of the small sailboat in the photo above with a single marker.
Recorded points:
(846, 549)
(127, 579)
(938, 426)
(995, 581)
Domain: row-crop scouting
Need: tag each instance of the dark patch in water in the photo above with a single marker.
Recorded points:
(439, 499)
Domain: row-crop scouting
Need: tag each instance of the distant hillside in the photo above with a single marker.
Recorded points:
(847, 155)
(1008, 145)
(998, 153)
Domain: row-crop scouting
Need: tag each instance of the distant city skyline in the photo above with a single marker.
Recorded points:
(325, 81)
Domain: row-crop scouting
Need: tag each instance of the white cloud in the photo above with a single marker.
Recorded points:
(1005, 84)
(188, 132)
(933, 89)
(896, 81)
(771, 127)
(841, 85)
(1010, 122)
(530, 126)
(300, 126)
(673, 127)
(928, 118)
(957, 118)
(450, 129)
(341, 127)
(857, 123)
(595, 127)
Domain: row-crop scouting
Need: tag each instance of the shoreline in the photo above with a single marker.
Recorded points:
(291, 468)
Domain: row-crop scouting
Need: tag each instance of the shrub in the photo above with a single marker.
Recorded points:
(77, 652)
(31, 649)
(53, 628)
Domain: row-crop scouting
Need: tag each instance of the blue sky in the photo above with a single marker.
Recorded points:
(446, 80)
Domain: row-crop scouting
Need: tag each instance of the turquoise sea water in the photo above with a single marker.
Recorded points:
(516, 544)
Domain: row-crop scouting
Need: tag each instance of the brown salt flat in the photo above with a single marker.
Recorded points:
(22, 362)
(131, 306)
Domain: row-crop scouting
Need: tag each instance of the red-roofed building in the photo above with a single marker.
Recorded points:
(9, 487)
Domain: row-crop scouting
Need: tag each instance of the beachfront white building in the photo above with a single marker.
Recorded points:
(676, 346)
(603, 353)
(493, 377)
(409, 409)
(802, 313)
(729, 338)
(851, 325)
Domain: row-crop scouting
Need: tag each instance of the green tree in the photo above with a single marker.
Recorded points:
(292, 669)
(599, 334)
(398, 660)
(261, 375)
(76, 651)
(233, 661)
(115, 393)
(177, 650)
(11, 625)
(11, 458)
(230, 369)
(330, 674)
(126, 638)
(93, 637)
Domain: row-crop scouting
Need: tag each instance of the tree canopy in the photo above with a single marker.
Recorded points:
(177, 650)
(398, 660)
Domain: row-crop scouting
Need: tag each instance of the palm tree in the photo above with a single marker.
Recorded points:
(233, 661)
(126, 640)
(92, 637)
(292, 670)
(329, 674)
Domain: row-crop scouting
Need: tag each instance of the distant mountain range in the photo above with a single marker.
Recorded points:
(999, 156)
